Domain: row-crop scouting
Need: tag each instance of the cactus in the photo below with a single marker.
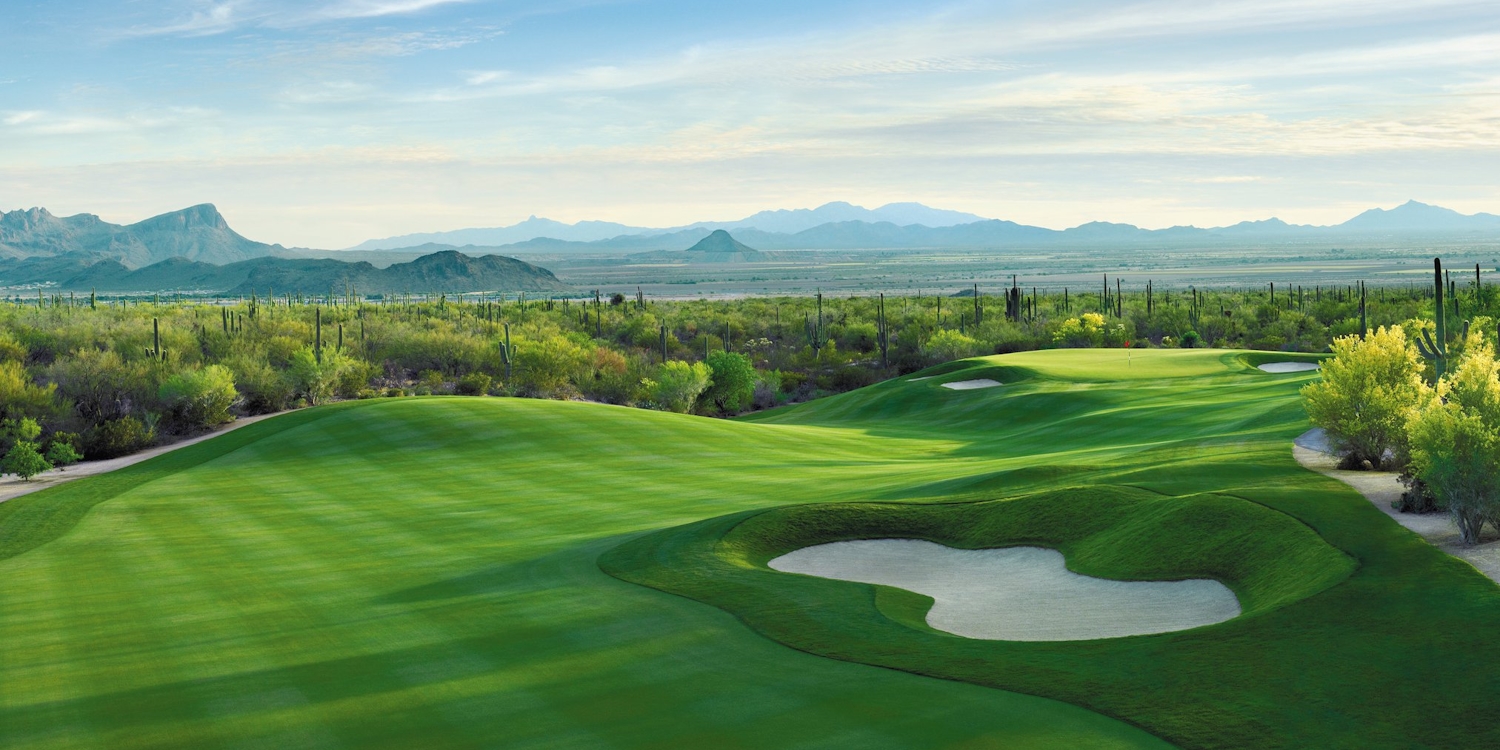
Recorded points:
(318, 341)
(663, 344)
(507, 352)
(1436, 351)
(1363, 326)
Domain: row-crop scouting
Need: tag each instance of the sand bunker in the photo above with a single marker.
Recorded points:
(969, 385)
(1016, 594)
(1280, 367)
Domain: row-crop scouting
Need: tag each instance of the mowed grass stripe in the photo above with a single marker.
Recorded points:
(509, 634)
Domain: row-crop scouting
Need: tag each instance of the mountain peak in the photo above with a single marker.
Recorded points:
(719, 241)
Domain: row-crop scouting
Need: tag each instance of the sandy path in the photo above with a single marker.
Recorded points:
(1016, 593)
(1383, 488)
(11, 487)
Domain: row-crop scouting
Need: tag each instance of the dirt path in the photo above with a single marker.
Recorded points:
(1383, 488)
(11, 487)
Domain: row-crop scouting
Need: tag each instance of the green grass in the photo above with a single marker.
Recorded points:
(425, 573)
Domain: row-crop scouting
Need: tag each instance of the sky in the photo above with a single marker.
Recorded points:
(322, 123)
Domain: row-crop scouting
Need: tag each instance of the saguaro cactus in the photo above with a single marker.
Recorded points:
(1436, 351)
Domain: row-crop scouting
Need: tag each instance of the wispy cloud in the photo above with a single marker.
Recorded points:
(378, 8)
(215, 18)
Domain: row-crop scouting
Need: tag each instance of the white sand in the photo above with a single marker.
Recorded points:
(12, 487)
(1382, 488)
(970, 385)
(924, 377)
(1280, 367)
(1016, 594)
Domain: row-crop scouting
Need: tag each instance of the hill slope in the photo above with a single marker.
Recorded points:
(196, 233)
(444, 271)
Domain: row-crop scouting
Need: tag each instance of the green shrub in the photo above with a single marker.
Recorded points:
(1367, 389)
(62, 454)
(473, 384)
(678, 385)
(117, 437)
(732, 381)
(23, 460)
(199, 398)
(1191, 340)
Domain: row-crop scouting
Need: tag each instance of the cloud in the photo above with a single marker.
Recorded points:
(217, 18)
(378, 8)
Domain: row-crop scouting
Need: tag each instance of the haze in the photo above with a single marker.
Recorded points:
(323, 124)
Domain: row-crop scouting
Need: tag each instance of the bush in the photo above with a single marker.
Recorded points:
(262, 388)
(473, 384)
(732, 381)
(24, 461)
(1367, 389)
(117, 437)
(314, 380)
(199, 398)
(946, 345)
(1191, 340)
(678, 385)
(1455, 441)
(62, 454)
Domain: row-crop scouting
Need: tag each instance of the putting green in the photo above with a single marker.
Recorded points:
(424, 573)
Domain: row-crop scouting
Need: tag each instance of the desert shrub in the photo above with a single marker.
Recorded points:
(61, 453)
(732, 381)
(117, 437)
(1367, 390)
(20, 398)
(1455, 441)
(473, 384)
(23, 460)
(199, 398)
(354, 376)
(947, 345)
(678, 385)
(314, 380)
(1190, 340)
(1084, 330)
(767, 390)
(546, 367)
(263, 389)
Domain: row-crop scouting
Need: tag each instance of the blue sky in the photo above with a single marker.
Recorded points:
(326, 122)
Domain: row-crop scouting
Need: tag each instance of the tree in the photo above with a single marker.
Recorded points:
(732, 379)
(1084, 330)
(61, 453)
(200, 397)
(1455, 441)
(678, 385)
(1367, 390)
(22, 459)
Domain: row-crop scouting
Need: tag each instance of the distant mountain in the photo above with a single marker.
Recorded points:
(779, 222)
(446, 271)
(802, 219)
(197, 233)
(532, 228)
(1412, 216)
(719, 241)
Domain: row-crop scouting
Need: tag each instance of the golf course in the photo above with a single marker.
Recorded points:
(442, 572)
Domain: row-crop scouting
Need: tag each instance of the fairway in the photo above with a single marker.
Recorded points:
(426, 572)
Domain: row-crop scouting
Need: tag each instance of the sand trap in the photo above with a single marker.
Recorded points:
(1280, 367)
(1016, 594)
(970, 385)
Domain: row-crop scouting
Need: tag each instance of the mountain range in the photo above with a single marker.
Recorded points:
(830, 227)
(196, 249)
(779, 221)
(444, 271)
(196, 233)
